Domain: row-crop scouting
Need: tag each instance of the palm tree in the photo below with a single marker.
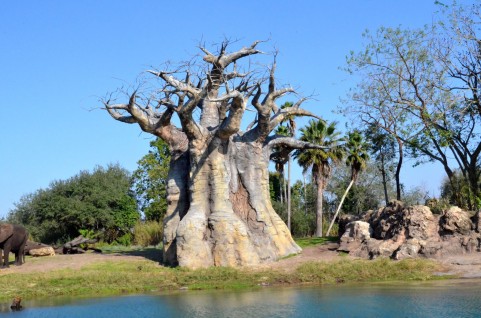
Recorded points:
(320, 160)
(357, 156)
(280, 161)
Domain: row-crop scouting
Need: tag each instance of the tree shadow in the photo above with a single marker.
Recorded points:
(150, 253)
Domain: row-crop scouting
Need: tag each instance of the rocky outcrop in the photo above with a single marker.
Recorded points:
(401, 232)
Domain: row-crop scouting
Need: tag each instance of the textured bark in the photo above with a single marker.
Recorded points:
(319, 201)
(398, 169)
(219, 210)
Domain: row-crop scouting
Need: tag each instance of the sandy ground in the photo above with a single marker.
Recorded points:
(464, 266)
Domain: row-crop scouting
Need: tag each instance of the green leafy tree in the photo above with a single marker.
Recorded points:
(461, 191)
(150, 181)
(356, 158)
(422, 87)
(367, 194)
(320, 160)
(280, 158)
(383, 149)
(98, 201)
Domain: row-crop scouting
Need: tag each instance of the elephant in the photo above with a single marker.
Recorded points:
(13, 239)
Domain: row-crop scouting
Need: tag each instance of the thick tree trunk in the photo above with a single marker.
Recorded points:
(319, 199)
(230, 220)
(219, 209)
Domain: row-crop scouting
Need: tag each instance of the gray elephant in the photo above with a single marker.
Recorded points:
(13, 239)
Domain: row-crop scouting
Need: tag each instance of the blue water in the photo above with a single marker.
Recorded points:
(430, 299)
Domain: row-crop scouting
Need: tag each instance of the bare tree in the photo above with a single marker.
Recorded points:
(219, 210)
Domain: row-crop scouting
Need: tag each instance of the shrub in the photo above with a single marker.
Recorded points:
(148, 233)
(125, 240)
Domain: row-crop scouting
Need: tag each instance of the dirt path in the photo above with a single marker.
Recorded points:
(58, 262)
(465, 266)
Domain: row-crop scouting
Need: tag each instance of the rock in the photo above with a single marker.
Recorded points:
(31, 245)
(381, 248)
(455, 221)
(16, 304)
(358, 230)
(402, 232)
(356, 233)
(344, 221)
(420, 223)
(431, 249)
(387, 222)
(410, 249)
(43, 251)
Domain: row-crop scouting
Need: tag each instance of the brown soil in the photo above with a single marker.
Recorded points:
(465, 266)
(58, 262)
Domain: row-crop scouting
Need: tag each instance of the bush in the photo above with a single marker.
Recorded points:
(125, 240)
(438, 206)
(148, 233)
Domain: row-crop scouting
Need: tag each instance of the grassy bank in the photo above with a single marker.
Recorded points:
(144, 276)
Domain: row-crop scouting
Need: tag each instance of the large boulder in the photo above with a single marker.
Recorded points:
(352, 240)
(455, 221)
(43, 251)
(387, 221)
(344, 221)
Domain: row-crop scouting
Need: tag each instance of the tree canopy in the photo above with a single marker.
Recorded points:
(99, 201)
(421, 87)
(150, 181)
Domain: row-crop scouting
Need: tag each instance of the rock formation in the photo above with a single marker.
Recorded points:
(401, 232)
(43, 251)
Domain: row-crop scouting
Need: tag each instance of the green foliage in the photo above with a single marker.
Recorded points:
(148, 233)
(97, 201)
(367, 194)
(313, 241)
(125, 240)
(357, 156)
(457, 191)
(90, 234)
(321, 133)
(150, 180)
(320, 160)
(303, 212)
(438, 206)
(275, 186)
(421, 86)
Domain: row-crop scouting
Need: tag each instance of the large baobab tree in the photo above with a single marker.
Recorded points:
(219, 210)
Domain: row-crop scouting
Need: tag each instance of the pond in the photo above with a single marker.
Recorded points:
(453, 298)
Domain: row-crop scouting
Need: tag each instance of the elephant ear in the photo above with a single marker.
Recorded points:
(6, 230)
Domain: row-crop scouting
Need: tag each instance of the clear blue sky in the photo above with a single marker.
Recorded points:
(57, 58)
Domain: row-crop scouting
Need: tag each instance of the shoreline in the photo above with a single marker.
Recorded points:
(139, 272)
